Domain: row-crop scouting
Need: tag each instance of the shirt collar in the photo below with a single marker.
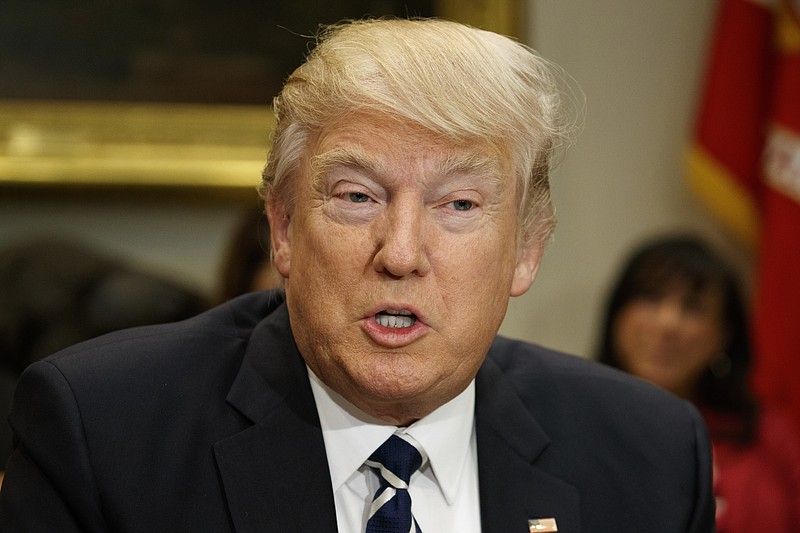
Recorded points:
(351, 435)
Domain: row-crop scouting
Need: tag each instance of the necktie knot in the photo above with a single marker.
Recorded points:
(394, 462)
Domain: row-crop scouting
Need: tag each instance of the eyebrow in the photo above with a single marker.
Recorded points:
(353, 157)
(481, 165)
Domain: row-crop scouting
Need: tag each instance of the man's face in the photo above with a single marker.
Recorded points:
(399, 256)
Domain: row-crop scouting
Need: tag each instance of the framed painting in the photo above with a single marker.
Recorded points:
(164, 96)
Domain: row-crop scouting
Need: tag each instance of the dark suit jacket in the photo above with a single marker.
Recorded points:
(210, 425)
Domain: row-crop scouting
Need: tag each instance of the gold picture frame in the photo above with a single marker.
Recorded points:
(185, 149)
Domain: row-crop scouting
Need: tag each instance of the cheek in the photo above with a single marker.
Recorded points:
(321, 243)
(479, 271)
(626, 334)
(475, 283)
(706, 339)
(490, 256)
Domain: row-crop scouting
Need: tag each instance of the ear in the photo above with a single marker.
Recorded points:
(528, 259)
(280, 235)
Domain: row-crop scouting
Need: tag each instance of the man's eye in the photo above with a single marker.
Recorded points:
(462, 205)
(358, 197)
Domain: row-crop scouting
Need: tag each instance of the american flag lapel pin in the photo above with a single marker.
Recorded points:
(542, 525)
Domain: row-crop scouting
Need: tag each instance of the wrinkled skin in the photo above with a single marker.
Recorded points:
(389, 217)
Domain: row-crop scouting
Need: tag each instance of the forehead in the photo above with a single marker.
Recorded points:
(392, 148)
(709, 294)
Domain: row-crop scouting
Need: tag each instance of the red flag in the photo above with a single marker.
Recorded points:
(746, 165)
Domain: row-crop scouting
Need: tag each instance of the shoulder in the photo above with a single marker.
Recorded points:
(81, 416)
(172, 379)
(227, 325)
(612, 436)
(164, 361)
(557, 386)
(531, 364)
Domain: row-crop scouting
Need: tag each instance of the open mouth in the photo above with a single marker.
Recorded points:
(391, 318)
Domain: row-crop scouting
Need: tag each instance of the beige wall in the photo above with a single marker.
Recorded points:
(638, 63)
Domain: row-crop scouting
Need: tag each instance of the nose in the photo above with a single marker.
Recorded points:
(401, 238)
(669, 314)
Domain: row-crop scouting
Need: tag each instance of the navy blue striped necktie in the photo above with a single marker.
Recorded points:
(394, 463)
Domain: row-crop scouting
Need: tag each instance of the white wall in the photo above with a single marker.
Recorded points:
(640, 64)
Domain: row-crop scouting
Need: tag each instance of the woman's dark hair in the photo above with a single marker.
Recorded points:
(686, 261)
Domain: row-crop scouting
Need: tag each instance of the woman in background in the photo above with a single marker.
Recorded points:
(675, 318)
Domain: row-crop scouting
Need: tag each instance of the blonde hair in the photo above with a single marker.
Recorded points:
(466, 84)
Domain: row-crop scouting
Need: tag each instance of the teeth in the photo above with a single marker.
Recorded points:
(395, 319)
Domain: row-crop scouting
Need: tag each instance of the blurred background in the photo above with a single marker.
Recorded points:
(639, 64)
(133, 132)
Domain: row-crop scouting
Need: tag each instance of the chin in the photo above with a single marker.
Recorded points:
(395, 385)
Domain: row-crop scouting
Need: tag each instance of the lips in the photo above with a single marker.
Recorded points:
(394, 325)
(396, 318)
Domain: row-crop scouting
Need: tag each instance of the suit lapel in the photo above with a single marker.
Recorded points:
(273, 484)
(275, 473)
(512, 488)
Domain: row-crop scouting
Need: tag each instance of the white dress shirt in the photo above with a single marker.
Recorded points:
(444, 493)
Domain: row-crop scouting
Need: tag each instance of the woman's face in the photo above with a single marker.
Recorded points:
(670, 339)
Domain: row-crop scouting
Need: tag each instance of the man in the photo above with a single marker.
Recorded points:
(408, 199)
